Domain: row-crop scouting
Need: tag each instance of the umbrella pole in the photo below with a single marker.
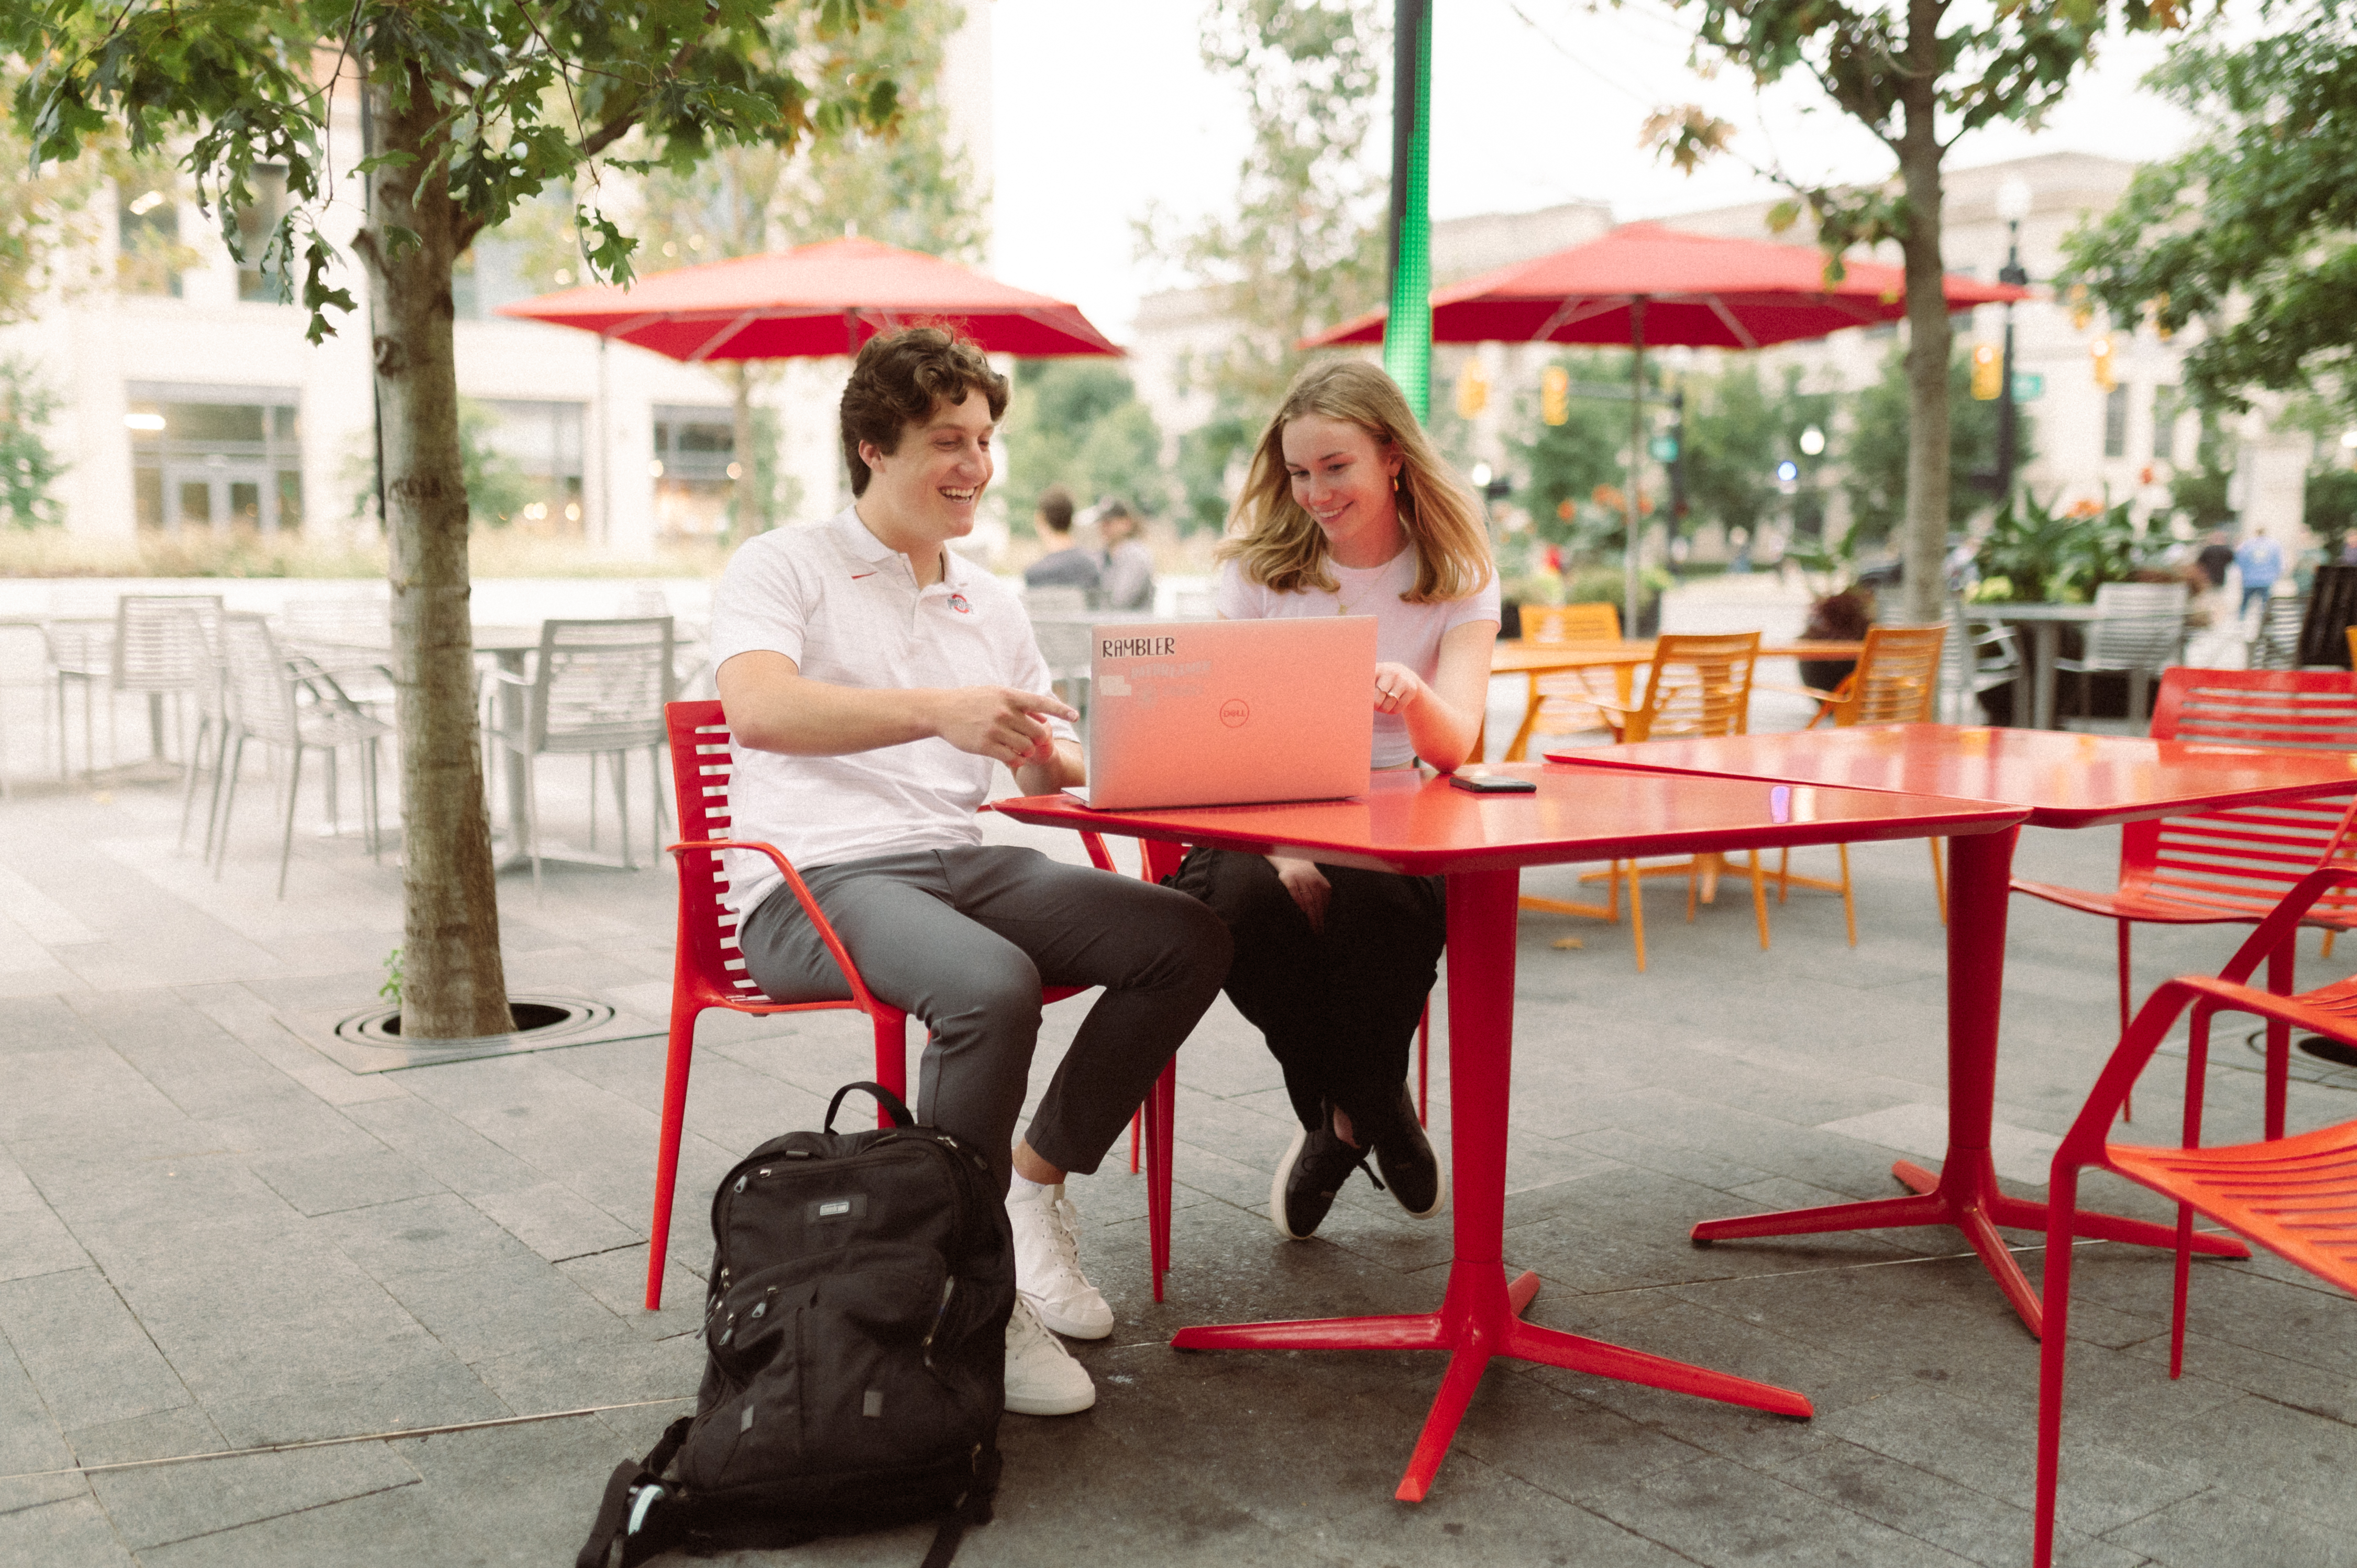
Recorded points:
(1632, 494)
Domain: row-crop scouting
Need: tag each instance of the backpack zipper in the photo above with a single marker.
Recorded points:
(949, 1289)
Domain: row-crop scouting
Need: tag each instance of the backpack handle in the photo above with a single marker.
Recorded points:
(884, 1097)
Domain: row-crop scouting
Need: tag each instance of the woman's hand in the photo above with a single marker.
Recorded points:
(1398, 687)
(1309, 886)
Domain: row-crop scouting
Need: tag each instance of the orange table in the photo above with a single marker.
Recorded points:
(1533, 660)
(2063, 780)
(1409, 823)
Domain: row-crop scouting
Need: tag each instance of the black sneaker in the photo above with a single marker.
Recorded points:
(1404, 1155)
(1315, 1165)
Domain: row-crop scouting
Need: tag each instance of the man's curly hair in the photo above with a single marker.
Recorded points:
(900, 379)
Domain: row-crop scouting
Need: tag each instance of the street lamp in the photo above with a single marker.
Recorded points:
(2013, 199)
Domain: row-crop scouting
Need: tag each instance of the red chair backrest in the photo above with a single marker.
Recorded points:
(2249, 854)
(700, 764)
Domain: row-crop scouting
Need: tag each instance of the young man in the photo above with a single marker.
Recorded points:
(1066, 564)
(871, 678)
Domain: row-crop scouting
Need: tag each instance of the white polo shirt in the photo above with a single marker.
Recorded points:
(846, 608)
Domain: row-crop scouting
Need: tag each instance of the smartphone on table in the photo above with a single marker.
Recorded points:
(1493, 784)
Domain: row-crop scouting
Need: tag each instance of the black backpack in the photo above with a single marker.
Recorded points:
(855, 1325)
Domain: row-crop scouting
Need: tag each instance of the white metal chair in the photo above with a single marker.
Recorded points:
(81, 653)
(290, 703)
(599, 690)
(2139, 631)
(1981, 656)
(2275, 645)
(159, 646)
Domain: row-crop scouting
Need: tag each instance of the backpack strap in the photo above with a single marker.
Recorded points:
(630, 1511)
(901, 1115)
(972, 1509)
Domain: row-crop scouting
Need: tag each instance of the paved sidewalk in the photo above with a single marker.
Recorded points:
(213, 1237)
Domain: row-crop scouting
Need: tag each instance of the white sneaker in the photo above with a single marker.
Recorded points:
(1048, 1264)
(1042, 1378)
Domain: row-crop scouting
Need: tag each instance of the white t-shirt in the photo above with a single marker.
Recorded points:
(843, 606)
(1404, 633)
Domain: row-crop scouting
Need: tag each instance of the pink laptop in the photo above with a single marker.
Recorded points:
(1229, 713)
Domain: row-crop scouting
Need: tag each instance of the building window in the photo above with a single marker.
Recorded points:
(148, 254)
(2164, 425)
(215, 459)
(695, 471)
(2116, 422)
(533, 467)
(263, 275)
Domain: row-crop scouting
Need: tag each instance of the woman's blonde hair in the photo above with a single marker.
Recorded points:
(1281, 545)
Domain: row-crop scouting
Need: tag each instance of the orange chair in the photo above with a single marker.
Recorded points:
(1896, 682)
(2296, 1197)
(1697, 686)
(1562, 702)
(708, 971)
(2234, 865)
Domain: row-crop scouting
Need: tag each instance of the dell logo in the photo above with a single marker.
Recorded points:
(1234, 711)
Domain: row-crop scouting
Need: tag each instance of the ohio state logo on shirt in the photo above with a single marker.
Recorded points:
(957, 603)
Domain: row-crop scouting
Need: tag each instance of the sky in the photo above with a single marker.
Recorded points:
(1102, 113)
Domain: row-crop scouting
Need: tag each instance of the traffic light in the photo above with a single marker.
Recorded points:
(1989, 373)
(1555, 395)
(1472, 390)
(2100, 351)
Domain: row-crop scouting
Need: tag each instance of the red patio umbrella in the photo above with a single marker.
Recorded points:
(1643, 284)
(814, 301)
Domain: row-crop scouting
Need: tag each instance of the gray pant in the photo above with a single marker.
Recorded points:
(964, 939)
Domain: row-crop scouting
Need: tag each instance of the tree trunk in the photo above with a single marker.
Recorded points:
(454, 984)
(1929, 335)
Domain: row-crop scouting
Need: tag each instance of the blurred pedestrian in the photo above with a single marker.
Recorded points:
(1066, 564)
(1125, 565)
(2260, 561)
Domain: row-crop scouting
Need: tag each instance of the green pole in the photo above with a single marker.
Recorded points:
(1407, 331)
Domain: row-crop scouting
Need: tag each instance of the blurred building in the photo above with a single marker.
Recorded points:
(2095, 443)
(192, 403)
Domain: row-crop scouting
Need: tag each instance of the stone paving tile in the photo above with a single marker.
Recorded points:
(1930, 1508)
(33, 1240)
(158, 1505)
(29, 1441)
(2217, 1526)
(468, 1510)
(70, 1533)
(165, 1434)
(576, 1375)
(1717, 1512)
(90, 1358)
(556, 1222)
(478, 1290)
(375, 1393)
(432, 1139)
(361, 1177)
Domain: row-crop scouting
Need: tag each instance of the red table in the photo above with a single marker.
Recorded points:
(1412, 824)
(2066, 781)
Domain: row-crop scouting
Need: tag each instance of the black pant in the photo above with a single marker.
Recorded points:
(1338, 1008)
(964, 939)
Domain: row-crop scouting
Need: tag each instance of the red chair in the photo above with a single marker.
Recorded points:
(2296, 1197)
(708, 971)
(2235, 864)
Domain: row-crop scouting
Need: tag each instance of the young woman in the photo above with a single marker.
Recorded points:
(1347, 511)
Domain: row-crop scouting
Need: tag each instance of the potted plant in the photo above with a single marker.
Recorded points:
(1841, 607)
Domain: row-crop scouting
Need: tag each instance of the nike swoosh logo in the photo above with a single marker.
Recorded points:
(856, 577)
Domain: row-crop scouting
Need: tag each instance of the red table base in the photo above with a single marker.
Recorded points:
(1965, 1194)
(1481, 1315)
